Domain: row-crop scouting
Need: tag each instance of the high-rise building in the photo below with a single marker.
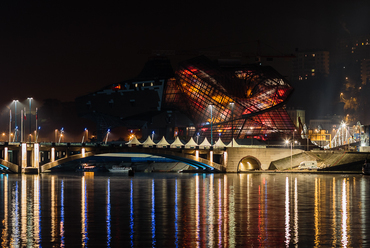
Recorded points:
(310, 64)
(365, 71)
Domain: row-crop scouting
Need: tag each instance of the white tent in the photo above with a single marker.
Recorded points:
(148, 142)
(205, 144)
(133, 141)
(233, 143)
(219, 143)
(163, 143)
(191, 143)
(177, 143)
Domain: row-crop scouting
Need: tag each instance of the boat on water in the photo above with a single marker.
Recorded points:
(85, 167)
(366, 168)
(122, 169)
(118, 168)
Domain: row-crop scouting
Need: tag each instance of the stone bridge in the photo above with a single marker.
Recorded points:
(18, 157)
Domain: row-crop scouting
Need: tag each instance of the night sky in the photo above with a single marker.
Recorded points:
(63, 50)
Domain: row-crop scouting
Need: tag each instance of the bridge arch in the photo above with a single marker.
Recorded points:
(195, 162)
(248, 163)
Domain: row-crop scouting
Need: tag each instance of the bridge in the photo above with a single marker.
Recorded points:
(40, 157)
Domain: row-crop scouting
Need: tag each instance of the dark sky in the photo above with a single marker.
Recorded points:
(59, 49)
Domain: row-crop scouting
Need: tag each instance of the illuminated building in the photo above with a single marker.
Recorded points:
(232, 100)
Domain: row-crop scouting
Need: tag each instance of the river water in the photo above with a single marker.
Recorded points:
(185, 210)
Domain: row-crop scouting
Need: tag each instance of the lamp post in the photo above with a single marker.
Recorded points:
(15, 119)
(211, 125)
(29, 101)
(83, 137)
(106, 138)
(10, 124)
(55, 135)
(153, 135)
(61, 133)
(198, 138)
(37, 133)
(291, 153)
(232, 124)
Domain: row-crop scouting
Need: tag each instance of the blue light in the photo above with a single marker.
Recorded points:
(109, 236)
(39, 127)
(61, 214)
(176, 218)
(62, 129)
(131, 214)
(153, 215)
(85, 128)
(108, 130)
(153, 132)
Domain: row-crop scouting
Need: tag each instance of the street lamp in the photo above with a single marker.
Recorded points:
(61, 133)
(37, 133)
(55, 135)
(15, 134)
(232, 124)
(10, 123)
(30, 100)
(153, 135)
(106, 138)
(83, 137)
(211, 125)
(291, 153)
(15, 118)
(198, 138)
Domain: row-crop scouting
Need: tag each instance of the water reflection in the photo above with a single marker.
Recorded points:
(202, 210)
(153, 215)
(131, 214)
(287, 214)
(109, 237)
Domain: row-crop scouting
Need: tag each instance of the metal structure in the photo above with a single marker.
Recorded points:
(342, 137)
(247, 100)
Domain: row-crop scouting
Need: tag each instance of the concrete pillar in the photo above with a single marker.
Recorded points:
(197, 154)
(210, 156)
(23, 155)
(224, 162)
(83, 152)
(36, 155)
(6, 155)
(52, 158)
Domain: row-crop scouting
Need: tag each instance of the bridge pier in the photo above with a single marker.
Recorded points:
(34, 159)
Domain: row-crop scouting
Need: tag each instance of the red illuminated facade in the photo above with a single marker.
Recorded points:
(246, 101)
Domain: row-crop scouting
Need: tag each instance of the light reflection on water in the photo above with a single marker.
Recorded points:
(177, 210)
